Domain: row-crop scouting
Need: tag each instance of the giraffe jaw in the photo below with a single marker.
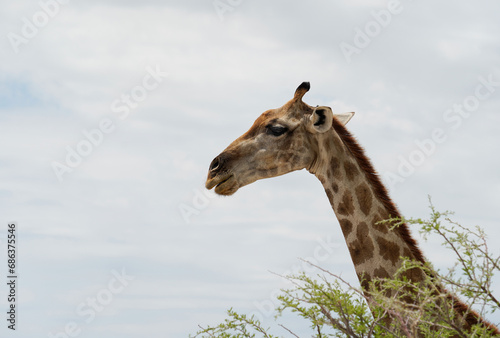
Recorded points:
(224, 184)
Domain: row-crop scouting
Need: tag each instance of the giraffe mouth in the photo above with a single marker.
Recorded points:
(224, 185)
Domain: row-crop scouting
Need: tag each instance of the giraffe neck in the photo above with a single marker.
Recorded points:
(360, 201)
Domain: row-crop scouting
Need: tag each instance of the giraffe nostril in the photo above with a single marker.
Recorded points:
(215, 164)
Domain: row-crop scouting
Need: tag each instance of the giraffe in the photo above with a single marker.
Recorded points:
(298, 136)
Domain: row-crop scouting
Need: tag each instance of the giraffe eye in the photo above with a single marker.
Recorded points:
(276, 130)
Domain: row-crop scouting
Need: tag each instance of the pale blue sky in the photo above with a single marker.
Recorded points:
(119, 206)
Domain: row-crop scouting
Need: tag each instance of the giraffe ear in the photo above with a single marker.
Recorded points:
(344, 117)
(320, 120)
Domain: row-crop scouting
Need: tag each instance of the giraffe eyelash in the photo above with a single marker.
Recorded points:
(276, 130)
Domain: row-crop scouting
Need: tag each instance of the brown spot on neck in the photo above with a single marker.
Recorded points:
(380, 272)
(329, 193)
(335, 187)
(350, 170)
(389, 250)
(346, 206)
(346, 227)
(380, 226)
(364, 196)
(362, 248)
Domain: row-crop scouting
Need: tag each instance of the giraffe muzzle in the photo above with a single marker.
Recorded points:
(224, 184)
(219, 177)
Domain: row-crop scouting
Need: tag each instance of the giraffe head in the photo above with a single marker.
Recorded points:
(281, 140)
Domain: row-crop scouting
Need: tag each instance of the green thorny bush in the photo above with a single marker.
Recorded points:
(334, 308)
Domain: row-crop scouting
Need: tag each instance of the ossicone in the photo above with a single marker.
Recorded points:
(301, 90)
